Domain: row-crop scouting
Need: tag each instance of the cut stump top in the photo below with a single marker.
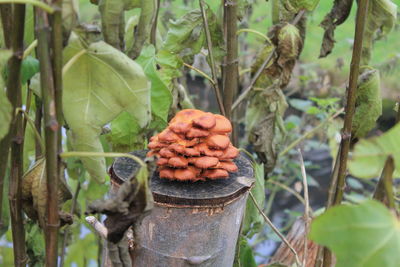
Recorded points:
(201, 193)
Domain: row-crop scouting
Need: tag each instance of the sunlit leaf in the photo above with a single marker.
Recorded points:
(365, 235)
(100, 84)
(303, 4)
(161, 97)
(369, 155)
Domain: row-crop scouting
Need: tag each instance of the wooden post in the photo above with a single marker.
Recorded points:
(191, 224)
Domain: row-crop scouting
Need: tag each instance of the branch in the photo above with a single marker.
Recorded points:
(231, 61)
(268, 221)
(211, 57)
(51, 136)
(17, 135)
(351, 98)
(36, 3)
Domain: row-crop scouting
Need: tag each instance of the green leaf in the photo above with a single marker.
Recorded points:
(126, 134)
(82, 250)
(381, 18)
(246, 256)
(30, 66)
(161, 97)
(5, 105)
(309, 5)
(369, 155)
(368, 103)
(35, 245)
(70, 13)
(253, 220)
(365, 235)
(300, 104)
(98, 85)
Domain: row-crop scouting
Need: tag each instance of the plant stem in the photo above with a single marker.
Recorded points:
(51, 136)
(36, 3)
(351, 98)
(384, 189)
(30, 48)
(38, 126)
(17, 135)
(66, 230)
(306, 207)
(231, 62)
(309, 133)
(276, 230)
(70, 154)
(200, 72)
(260, 70)
(153, 32)
(212, 62)
(256, 33)
(6, 21)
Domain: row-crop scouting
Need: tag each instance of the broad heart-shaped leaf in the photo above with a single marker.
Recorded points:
(30, 66)
(365, 235)
(161, 97)
(100, 84)
(126, 134)
(369, 155)
(253, 220)
(5, 105)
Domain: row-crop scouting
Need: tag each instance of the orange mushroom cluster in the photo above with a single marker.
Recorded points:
(195, 146)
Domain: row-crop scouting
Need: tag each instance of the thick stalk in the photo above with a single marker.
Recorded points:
(17, 135)
(6, 21)
(351, 98)
(51, 136)
(153, 32)
(6, 17)
(231, 61)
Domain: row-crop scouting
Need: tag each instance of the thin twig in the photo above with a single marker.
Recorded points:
(33, 127)
(153, 32)
(100, 229)
(70, 154)
(36, 3)
(260, 70)
(307, 205)
(276, 230)
(309, 133)
(66, 230)
(30, 48)
(351, 98)
(256, 33)
(211, 57)
(200, 72)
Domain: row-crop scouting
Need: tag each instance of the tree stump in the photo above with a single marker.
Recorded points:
(191, 224)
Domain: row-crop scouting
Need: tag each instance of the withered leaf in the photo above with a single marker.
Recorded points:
(338, 14)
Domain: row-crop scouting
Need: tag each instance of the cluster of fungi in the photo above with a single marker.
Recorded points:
(195, 146)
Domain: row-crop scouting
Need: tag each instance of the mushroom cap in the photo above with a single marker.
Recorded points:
(162, 161)
(218, 141)
(215, 173)
(207, 121)
(166, 172)
(187, 115)
(188, 143)
(230, 153)
(188, 174)
(222, 125)
(205, 150)
(178, 162)
(168, 136)
(166, 153)
(191, 152)
(230, 166)
(155, 145)
(152, 153)
(205, 162)
(180, 127)
(196, 132)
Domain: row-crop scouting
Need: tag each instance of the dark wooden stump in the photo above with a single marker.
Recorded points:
(191, 224)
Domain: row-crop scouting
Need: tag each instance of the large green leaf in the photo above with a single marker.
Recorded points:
(365, 235)
(126, 134)
(245, 256)
(5, 105)
(186, 35)
(302, 4)
(253, 220)
(99, 84)
(368, 103)
(381, 18)
(369, 155)
(161, 97)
